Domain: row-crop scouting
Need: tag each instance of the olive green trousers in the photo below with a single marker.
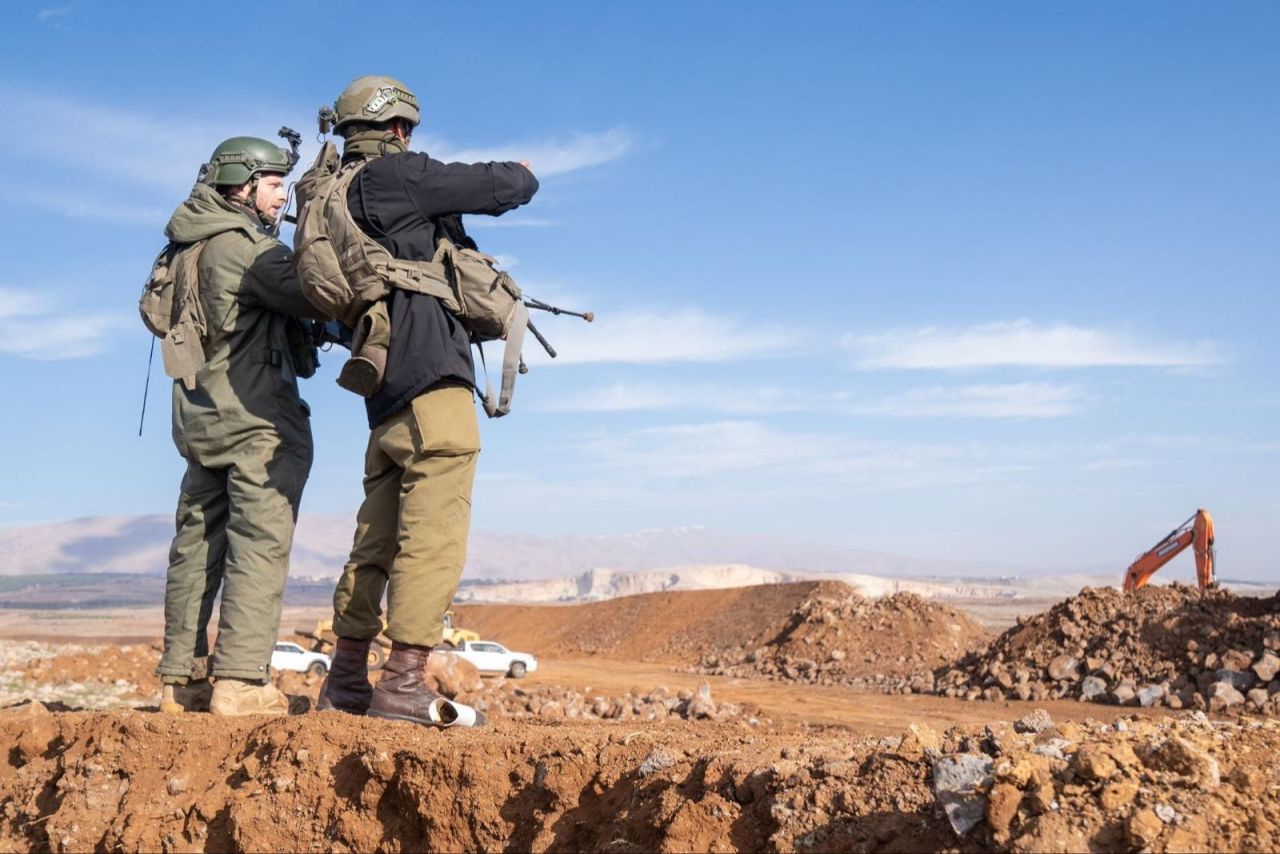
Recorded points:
(235, 521)
(411, 531)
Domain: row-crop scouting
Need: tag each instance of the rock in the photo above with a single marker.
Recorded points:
(27, 708)
(837, 655)
(701, 706)
(1267, 666)
(919, 739)
(1166, 813)
(1144, 828)
(1149, 694)
(175, 785)
(1251, 781)
(451, 675)
(1064, 667)
(1236, 659)
(1042, 799)
(1258, 697)
(1123, 694)
(1036, 722)
(1118, 795)
(1002, 807)
(658, 760)
(1093, 688)
(1241, 680)
(1179, 756)
(1222, 696)
(1092, 762)
(1271, 640)
(958, 784)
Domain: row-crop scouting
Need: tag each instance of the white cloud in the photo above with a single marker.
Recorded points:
(546, 158)
(1011, 400)
(728, 448)
(53, 14)
(85, 206)
(1014, 400)
(1020, 343)
(651, 337)
(30, 328)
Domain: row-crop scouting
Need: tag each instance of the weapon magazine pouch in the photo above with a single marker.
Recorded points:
(365, 371)
(302, 349)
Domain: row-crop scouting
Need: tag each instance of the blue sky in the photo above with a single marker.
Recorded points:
(991, 281)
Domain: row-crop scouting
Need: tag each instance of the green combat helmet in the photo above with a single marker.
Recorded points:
(371, 99)
(239, 159)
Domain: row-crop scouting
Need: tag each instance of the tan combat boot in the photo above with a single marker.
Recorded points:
(192, 697)
(235, 697)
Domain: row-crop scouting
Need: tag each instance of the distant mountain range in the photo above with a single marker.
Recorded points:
(140, 544)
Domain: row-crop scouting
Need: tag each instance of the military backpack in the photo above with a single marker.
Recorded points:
(347, 275)
(172, 311)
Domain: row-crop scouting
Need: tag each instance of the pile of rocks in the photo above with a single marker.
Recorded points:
(553, 702)
(889, 645)
(1138, 784)
(1173, 646)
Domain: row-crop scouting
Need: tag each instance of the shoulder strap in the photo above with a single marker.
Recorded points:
(510, 365)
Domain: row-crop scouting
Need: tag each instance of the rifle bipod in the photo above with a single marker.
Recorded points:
(588, 316)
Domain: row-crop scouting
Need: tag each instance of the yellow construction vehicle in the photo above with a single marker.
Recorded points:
(324, 640)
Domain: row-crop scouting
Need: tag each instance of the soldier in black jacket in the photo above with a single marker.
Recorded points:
(412, 528)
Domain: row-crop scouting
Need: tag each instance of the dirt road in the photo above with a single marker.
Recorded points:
(872, 714)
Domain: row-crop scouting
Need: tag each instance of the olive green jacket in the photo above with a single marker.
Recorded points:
(249, 292)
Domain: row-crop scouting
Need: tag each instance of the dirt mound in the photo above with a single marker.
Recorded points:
(676, 626)
(835, 636)
(136, 781)
(1172, 645)
(804, 631)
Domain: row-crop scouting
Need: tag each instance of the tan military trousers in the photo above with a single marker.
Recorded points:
(411, 531)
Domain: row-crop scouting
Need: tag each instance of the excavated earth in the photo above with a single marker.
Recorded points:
(835, 636)
(818, 632)
(1173, 646)
(140, 781)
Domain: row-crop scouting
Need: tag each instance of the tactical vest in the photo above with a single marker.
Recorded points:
(171, 309)
(346, 274)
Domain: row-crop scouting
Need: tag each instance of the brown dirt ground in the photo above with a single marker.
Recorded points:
(324, 781)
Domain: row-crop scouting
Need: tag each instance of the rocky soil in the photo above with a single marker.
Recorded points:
(834, 636)
(1171, 646)
(326, 781)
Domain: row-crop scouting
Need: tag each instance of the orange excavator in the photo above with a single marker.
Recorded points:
(1196, 532)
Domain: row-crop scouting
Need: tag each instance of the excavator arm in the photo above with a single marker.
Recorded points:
(1196, 531)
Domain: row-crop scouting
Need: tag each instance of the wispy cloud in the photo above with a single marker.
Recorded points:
(549, 157)
(726, 448)
(54, 14)
(654, 337)
(1021, 343)
(98, 209)
(32, 328)
(1013, 400)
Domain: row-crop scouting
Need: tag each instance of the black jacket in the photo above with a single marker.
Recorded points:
(406, 202)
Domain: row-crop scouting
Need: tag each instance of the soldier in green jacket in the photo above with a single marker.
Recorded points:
(244, 432)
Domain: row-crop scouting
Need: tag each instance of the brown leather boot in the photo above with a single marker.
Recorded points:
(402, 693)
(346, 688)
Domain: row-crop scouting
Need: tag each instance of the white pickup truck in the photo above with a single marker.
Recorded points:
(493, 657)
(290, 656)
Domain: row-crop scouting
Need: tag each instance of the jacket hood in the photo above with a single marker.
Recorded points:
(204, 214)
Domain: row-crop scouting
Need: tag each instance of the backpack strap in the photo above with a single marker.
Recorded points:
(510, 365)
